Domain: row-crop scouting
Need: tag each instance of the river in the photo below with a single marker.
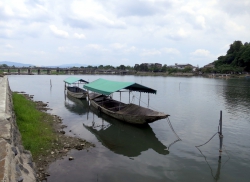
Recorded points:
(126, 152)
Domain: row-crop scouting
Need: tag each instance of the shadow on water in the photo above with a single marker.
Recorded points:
(75, 105)
(122, 138)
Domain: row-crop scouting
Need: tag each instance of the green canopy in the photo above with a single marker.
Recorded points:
(71, 80)
(107, 87)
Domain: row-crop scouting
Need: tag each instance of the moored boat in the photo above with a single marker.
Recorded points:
(75, 90)
(131, 113)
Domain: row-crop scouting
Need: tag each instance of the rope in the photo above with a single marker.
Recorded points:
(207, 141)
(143, 102)
(168, 120)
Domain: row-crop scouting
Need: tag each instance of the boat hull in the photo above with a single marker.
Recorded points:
(77, 92)
(130, 118)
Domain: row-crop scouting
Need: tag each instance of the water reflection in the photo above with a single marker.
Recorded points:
(237, 95)
(75, 105)
(122, 138)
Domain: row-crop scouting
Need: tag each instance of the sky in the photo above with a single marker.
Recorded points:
(124, 32)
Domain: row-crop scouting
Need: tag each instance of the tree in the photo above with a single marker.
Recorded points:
(237, 58)
(164, 68)
(187, 69)
(5, 65)
(121, 67)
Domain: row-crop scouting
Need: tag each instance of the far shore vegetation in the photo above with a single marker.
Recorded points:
(35, 126)
(236, 62)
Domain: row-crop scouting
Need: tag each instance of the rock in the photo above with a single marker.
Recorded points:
(66, 146)
(40, 169)
(14, 150)
(78, 147)
(20, 179)
(63, 132)
(71, 158)
(63, 126)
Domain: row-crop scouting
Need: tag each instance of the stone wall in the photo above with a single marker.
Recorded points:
(15, 162)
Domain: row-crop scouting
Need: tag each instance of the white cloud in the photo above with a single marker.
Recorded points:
(150, 52)
(79, 36)
(61, 49)
(57, 32)
(200, 53)
(118, 46)
(179, 35)
(170, 51)
(8, 46)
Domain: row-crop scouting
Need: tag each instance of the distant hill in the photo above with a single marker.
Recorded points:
(69, 65)
(9, 63)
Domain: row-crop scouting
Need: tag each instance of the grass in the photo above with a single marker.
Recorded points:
(35, 126)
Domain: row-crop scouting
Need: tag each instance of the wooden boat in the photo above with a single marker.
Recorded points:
(75, 90)
(131, 113)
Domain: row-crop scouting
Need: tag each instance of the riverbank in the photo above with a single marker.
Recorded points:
(49, 142)
(165, 74)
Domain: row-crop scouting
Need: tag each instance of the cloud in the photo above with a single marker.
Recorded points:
(89, 14)
(179, 35)
(118, 46)
(200, 53)
(57, 32)
(170, 51)
(61, 49)
(79, 36)
(8, 46)
(152, 52)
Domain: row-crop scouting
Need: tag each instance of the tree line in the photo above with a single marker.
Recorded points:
(237, 59)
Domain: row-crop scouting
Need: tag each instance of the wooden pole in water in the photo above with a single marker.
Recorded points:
(220, 135)
(50, 83)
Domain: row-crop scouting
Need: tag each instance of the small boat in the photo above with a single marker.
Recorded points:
(75, 90)
(100, 99)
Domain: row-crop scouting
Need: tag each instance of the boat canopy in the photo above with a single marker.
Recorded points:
(71, 80)
(107, 87)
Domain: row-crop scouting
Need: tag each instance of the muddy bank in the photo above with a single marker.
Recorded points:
(60, 147)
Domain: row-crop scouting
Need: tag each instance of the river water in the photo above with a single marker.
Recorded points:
(126, 152)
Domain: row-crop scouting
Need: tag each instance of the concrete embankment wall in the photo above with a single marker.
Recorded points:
(15, 162)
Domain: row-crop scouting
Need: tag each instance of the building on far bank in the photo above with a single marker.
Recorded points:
(183, 66)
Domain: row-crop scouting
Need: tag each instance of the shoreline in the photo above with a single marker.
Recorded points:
(165, 74)
(60, 147)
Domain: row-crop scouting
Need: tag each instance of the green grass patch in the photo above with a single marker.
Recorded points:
(35, 126)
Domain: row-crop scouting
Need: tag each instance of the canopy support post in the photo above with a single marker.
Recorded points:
(148, 100)
(120, 96)
(140, 99)
(129, 97)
